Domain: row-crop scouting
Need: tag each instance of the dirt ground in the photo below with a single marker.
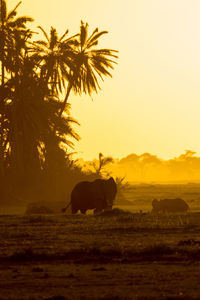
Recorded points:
(100, 281)
(122, 256)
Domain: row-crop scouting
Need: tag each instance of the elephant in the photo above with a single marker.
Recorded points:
(169, 205)
(98, 195)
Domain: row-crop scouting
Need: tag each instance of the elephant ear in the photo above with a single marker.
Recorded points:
(111, 179)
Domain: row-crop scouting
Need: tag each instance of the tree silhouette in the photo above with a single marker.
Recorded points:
(55, 57)
(122, 187)
(100, 164)
(90, 63)
(9, 25)
(10, 28)
(36, 128)
(32, 115)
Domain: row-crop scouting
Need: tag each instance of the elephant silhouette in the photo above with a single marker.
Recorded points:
(98, 195)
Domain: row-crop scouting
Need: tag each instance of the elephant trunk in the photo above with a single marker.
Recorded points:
(65, 208)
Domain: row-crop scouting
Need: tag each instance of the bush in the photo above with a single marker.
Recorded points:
(36, 208)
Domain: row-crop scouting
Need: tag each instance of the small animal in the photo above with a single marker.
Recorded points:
(169, 205)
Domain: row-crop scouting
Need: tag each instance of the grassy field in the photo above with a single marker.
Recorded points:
(116, 255)
(121, 254)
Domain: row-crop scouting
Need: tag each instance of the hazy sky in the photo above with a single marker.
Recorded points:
(152, 103)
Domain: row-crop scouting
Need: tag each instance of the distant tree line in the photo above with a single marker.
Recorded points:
(36, 128)
(148, 168)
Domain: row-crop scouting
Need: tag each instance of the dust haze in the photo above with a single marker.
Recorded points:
(150, 168)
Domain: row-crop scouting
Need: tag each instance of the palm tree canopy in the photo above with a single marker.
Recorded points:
(12, 30)
(91, 63)
(55, 57)
(8, 18)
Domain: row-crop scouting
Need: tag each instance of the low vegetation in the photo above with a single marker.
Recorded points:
(46, 256)
(103, 237)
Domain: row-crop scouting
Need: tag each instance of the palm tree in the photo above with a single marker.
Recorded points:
(90, 63)
(32, 118)
(8, 25)
(103, 161)
(54, 57)
(35, 126)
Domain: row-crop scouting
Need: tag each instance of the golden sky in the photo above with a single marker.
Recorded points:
(152, 103)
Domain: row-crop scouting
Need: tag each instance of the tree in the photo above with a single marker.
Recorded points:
(54, 57)
(100, 164)
(32, 116)
(122, 188)
(8, 26)
(35, 125)
(90, 63)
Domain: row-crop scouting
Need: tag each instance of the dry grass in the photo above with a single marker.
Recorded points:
(114, 255)
(109, 236)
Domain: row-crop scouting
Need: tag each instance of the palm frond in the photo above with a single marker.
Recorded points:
(83, 34)
(43, 43)
(95, 43)
(93, 33)
(64, 35)
(71, 41)
(53, 38)
(95, 38)
(45, 34)
(13, 12)
(3, 11)
(107, 52)
(20, 22)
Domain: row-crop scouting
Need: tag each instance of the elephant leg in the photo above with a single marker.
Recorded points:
(74, 210)
(97, 210)
(108, 208)
(83, 211)
(99, 204)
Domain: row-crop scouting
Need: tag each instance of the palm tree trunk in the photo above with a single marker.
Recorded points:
(66, 98)
(2, 51)
(1, 152)
(2, 73)
(69, 88)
